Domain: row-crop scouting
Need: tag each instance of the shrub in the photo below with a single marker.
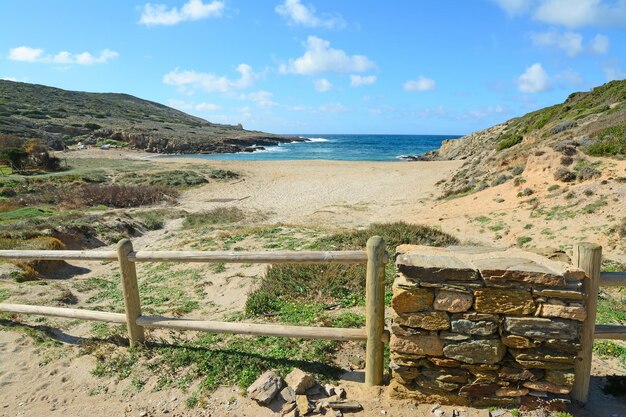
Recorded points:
(223, 174)
(219, 215)
(508, 141)
(525, 192)
(334, 282)
(500, 180)
(115, 195)
(610, 141)
(564, 175)
(565, 148)
(517, 170)
(152, 220)
(554, 187)
(587, 173)
(567, 160)
(563, 126)
(523, 240)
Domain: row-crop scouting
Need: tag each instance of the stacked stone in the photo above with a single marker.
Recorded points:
(484, 327)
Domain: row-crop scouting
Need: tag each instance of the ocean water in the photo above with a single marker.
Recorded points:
(342, 148)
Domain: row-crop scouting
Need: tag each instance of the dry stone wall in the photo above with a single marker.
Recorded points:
(484, 327)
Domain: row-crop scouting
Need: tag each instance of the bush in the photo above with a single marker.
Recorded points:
(500, 180)
(218, 215)
(517, 170)
(175, 178)
(115, 195)
(610, 141)
(565, 148)
(587, 173)
(525, 192)
(508, 142)
(564, 175)
(333, 282)
(563, 126)
(567, 160)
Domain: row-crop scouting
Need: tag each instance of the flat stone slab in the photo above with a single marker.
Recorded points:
(489, 351)
(542, 328)
(462, 263)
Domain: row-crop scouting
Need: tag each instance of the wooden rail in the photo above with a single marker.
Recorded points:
(374, 333)
(588, 257)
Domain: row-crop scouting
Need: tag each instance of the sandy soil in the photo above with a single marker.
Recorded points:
(335, 194)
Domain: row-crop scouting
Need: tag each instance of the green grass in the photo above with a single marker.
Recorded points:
(610, 349)
(593, 207)
(27, 213)
(523, 240)
(217, 360)
(611, 311)
(610, 141)
(219, 215)
(4, 294)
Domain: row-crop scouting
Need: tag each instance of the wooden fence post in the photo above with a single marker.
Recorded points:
(375, 310)
(588, 257)
(130, 289)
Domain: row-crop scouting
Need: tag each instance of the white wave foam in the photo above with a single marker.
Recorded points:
(317, 139)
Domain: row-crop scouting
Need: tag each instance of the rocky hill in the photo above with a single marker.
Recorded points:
(589, 124)
(61, 117)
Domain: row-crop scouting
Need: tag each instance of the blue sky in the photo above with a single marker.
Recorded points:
(321, 66)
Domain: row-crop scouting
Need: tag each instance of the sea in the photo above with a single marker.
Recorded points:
(342, 148)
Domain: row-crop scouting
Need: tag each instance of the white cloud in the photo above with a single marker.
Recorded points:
(297, 13)
(159, 14)
(420, 84)
(209, 82)
(485, 112)
(297, 108)
(202, 106)
(600, 44)
(534, 80)
(261, 98)
(320, 57)
(28, 54)
(8, 78)
(333, 108)
(359, 80)
(514, 7)
(25, 54)
(581, 13)
(570, 42)
(323, 85)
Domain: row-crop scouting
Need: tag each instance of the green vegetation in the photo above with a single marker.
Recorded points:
(508, 141)
(28, 111)
(609, 141)
(219, 215)
(174, 178)
(523, 240)
(26, 155)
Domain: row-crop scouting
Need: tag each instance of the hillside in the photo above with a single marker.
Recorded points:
(58, 116)
(586, 124)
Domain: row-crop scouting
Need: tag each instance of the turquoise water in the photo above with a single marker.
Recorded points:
(342, 148)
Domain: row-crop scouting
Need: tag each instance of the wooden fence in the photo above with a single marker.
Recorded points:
(586, 256)
(374, 332)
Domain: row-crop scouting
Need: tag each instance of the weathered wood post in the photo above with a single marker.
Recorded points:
(375, 310)
(130, 289)
(588, 257)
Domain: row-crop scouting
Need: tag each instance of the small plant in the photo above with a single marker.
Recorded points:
(554, 187)
(565, 175)
(567, 160)
(587, 173)
(219, 215)
(517, 170)
(525, 192)
(500, 180)
(588, 192)
(523, 240)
